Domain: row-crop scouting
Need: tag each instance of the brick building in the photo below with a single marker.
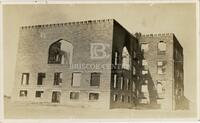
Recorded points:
(55, 64)
(161, 70)
(97, 64)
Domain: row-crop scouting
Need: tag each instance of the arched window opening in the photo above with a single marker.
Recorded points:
(60, 52)
(125, 59)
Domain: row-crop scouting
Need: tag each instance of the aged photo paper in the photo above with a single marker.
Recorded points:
(100, 60)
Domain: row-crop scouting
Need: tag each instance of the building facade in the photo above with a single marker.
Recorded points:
(161, 70)
(97, 64)
(71, 63)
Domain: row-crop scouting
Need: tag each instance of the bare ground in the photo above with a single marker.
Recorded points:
(37, 111)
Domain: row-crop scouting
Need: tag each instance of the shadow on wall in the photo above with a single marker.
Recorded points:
(150, 94)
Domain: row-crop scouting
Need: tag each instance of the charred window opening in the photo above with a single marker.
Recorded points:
(93, 96)
(41, 77)
(122, 83)
(60, 52)
(74, 95)
(115, 81)
(38, 94)
(56, 96)
(126, 61)
(115, 97)
(95, 79)
(23, 93)
(58, 78)
(116, 58)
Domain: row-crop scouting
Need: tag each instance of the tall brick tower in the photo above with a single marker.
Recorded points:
(161, 70)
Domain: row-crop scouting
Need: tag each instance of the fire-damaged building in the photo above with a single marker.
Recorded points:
(98, 64)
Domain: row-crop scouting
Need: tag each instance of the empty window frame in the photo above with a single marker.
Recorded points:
(116, 58)
(144, 47)
(134, 70)
(128, 84)
(126, 61)
(115, 81)
(56, 96)
(60, 52)
(76, 79)
(93, 96)
(144, 88)
(122, 83)
(38, 94)
(95, 79)
(161, 67)
(41, 77)
(144, 72)
(144, 62)
(161, 46)
(58, 78)
(23, 93)
(160, 86)
(115, 97)
(25, 79)
(74, 95)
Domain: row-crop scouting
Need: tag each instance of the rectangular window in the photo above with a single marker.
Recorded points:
(93, 96)
(25, 79)
(127, 84)
(160, 86)
(56, 97)
(38, 94)
(122, 83)
(144, 72)
(161, 66)
(74, 95)
(134, 70)
(115, 97)
(145, 88)
(95, 79)
(115, 81)
(57, 78)
(116, 58)
(161, 46)
(41, 77)
(144, 63)
(23, 93)
(133, 86)
(145, 47)
(76, 79)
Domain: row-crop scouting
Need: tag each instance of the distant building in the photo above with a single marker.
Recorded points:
(162, 70)
(98, 64)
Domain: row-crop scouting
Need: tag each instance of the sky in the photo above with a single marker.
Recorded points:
(179, 19)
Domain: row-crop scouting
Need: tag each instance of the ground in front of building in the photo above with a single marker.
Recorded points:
(18, 110)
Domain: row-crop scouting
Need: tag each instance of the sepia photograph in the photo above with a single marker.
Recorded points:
(100, 61)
